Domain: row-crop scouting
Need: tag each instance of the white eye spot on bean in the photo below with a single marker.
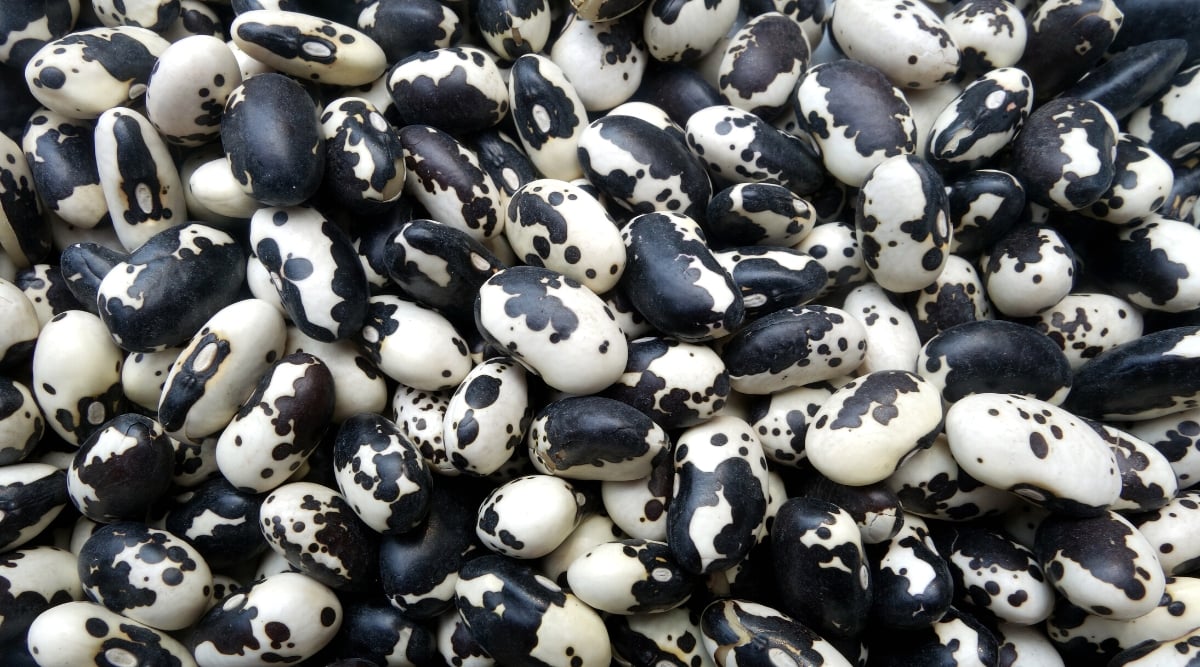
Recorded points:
(204, 358)
(995, 99)
(120, 657)
(479, 262)
(541, 118)
(660, 574)
(144, 197)
(317, 49)
(96, 414)
(370, 334)
(377, 121)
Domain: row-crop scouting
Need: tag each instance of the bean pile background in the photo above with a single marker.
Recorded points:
(636, 332)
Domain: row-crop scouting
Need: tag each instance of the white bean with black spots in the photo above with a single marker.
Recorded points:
(219, 368)
(737, 146)
(316, 531)
(364, 160)
(529, 516)
(557, 225)
(1030, 269)
(1101, 564)
(358, 385)
(414, 345)
(1079, 635)
(995, 575)
(146, 574)
(1151, 264)
(312, 264)
(891, 334)
(554, 326)
(906, 40)
(21, 421)
(856, 117)
(639, 507)
(1036, 450)
(644, 167)
(604, 60)
(278, 425)
(46, 288)
(548, 114)
(674, 383)
(286, 617)
(982, 120)
(762, 64)
(487, 417)
(33, 580)
(115, 71)
(518, 616)
(138, 176)
(1168, 123)
(513, 28)
(990, 34)
(931, 484)
(719, 499)
(381, 474)
(458, 89)
(835, 245)
(21, 330)
(309, 47)
(62, 158)
(81, 633)
(1148, 481)
(79, 396)
(421, 416)
(685, 30)
(905, 246)
(1172, 531)
(867, 428)
(1142, 180)
(188, 88)
(447, 179)
(24, 235)
(630, 576)
(144, 374)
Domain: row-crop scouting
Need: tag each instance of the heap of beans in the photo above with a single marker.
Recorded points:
(636, 332)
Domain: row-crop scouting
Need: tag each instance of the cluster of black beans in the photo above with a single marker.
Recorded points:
(612, 332)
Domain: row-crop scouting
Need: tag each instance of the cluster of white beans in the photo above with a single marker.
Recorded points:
(604, 332)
